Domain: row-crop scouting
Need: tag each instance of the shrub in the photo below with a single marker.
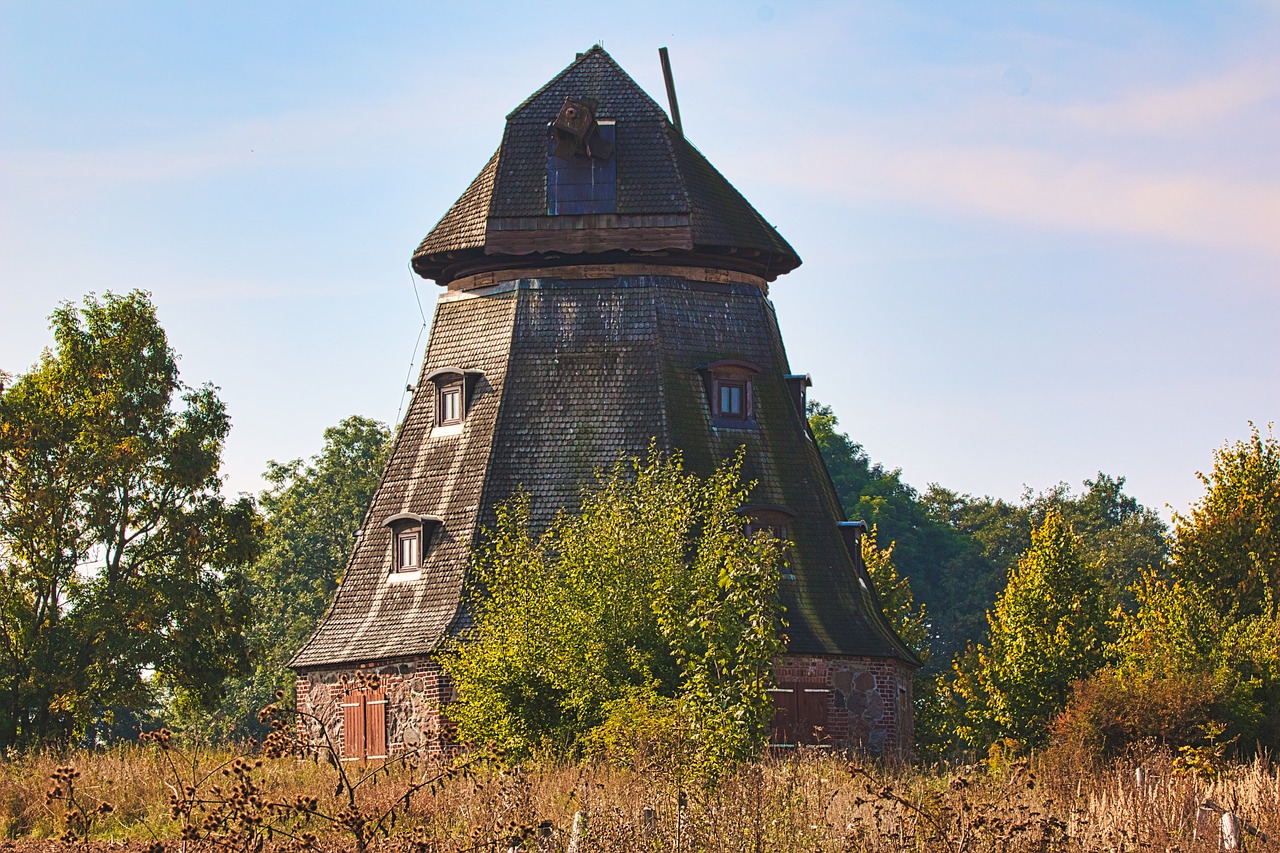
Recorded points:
(652, 596)
(1111, 710)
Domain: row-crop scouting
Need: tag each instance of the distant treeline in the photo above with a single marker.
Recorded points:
(1081, 619)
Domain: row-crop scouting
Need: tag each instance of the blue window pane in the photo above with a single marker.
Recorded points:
(583, 184)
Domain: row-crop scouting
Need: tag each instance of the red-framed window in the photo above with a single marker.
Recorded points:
(731, 399)
(730, 390)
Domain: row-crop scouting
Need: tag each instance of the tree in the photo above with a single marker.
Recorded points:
(311, 513)
(1116, 534)
(896, 600)
(652, 596)
(1229, 542)
(118, 556)
(947, 568)
(1047, 630)
(1227, 548)
(1201, 645)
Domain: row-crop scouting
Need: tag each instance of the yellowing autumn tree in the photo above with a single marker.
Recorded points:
(1047, 629)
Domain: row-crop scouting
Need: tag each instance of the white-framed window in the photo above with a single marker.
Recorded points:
(453, 389)
(411, 537)
(449, 403)
(409, 549)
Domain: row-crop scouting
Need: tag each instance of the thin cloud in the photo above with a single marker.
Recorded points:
(1181, 108)
(1039, 188)
(1176, 162)
(301, 138)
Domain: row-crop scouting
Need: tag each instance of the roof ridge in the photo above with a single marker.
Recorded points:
(582, 57)
(669, 133)
(595, 51)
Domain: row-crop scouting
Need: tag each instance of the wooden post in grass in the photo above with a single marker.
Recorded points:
(579, 831)
(1230, 831)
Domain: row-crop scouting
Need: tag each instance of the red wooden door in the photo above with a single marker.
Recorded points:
(375, 725)
(364, 725)
(353, 726)
(799, 715)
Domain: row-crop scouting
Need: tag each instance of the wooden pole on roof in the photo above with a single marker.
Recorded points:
(671, 89)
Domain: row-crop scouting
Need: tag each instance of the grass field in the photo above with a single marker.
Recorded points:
(807, 801)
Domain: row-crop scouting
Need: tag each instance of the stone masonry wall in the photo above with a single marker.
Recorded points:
(871, 705)
(415, 690)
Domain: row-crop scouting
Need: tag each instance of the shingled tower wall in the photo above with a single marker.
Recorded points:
(596, 303)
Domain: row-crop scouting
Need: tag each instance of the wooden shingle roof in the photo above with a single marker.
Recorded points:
(576, 374)
(670, 199)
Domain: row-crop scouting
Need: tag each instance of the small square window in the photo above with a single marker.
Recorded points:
(411, 536)
(449, 404)
(731, 399)
(730, 395)
(408, 549)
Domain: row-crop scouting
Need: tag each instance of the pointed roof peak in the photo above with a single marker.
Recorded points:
(591, 74)
(648, 191)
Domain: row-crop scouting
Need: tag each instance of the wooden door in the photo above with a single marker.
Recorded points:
(784, 716)
(812, 714)
(364, 725)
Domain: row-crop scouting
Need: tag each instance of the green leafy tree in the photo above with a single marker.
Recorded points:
(1181, 673)
(311, 513)
(1158, 685)
(1047, 630)
(979, 542)
(1229, 542)
(719, 614)
(1227, 549)
(1116, 534)
(896, 600)
(959, 551)
(118, 556)
(1200, 649)
(651, 598)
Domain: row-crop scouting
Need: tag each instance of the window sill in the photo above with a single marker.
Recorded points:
(450, 429)
(404, 577)
(734, 423)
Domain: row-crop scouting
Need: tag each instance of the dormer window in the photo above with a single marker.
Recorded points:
(411, 536)
(449, 404)
(454, 389)
(582, 173)
(774, 520)
(730, 388)
(731, 399)
(768, 517)
(408, 547)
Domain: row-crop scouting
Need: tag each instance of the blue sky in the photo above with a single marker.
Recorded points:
(1040, 239)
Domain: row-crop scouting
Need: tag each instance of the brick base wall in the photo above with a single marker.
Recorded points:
(416, 691)
(871, 706)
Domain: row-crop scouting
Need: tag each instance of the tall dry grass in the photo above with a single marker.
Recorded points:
(806, 801)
